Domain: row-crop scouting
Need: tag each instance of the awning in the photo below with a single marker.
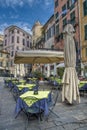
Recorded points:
(38, 56)
(60, 65)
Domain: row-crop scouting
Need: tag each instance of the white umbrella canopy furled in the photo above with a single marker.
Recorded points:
(38, 56)
(70, 90)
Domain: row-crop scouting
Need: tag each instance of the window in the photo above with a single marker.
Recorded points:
(5, 35)
(28, 37)
(17, 39)
(52, 47)
(1, 54)
(72, 1)
(85, 30)
(12, 39)
(68, 4)
(23, 34)
(64, 10)
(33, 32)
(0, 63)
(17, 47)
(12, 31)
(57, 29)
(57, 21)
(30, 44)
(72, 16)
(7, 64)
(5, 42)
(85, 7)
(56, 3)
(56, 15)
(72, 4)
(12, 53)
(18, 31)
(12, 47)
(11, 63)
(48, 33)
(53, 30)
(86, 52)
(23, 41)
(27, 43)
(7, 56)
(45, 36)
(64, 22)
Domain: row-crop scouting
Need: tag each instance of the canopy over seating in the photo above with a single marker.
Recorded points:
(38, 56)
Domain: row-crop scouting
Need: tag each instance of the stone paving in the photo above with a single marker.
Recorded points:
(64, 116)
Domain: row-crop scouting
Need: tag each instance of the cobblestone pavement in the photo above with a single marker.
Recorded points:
(64, 116)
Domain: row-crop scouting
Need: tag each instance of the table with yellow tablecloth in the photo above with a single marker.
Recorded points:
(30, 86)
(43, 96)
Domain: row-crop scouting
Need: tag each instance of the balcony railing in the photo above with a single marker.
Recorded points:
(72, 6)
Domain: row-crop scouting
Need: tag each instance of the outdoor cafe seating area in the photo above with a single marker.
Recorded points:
(34, 99)
(30, 97)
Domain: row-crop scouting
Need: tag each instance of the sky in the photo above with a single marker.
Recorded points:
(24, 13)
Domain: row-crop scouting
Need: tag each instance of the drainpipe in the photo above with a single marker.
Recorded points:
(80, 44)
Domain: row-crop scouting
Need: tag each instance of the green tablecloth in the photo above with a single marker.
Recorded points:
(30, 86)
(40, 95)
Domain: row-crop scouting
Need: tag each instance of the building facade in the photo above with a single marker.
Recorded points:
(49, 36)
(3, 57)
(1, 48)
(83, 33)
(37, 41)
(49, 32)
(36, 32)
(67, 11)
(15, 39)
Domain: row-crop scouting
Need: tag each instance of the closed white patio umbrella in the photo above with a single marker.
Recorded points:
(70, 91)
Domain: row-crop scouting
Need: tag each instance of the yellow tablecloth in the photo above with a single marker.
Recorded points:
(22, 81)
(82, 83)
(30, 86)
(15, 81)
(40, 95)
(58, 80)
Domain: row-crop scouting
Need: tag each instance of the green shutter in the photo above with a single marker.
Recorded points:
(85, 7)
(86, 51)
(57, 30)
(85, 32)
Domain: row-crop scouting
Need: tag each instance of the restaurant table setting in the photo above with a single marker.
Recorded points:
(43, 96)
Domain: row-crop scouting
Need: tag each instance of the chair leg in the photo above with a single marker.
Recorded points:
(26, 123)
(18, 114)
(40, 117)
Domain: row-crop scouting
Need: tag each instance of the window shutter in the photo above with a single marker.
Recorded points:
(85, 32)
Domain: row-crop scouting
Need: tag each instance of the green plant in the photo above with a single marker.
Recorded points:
(38, 74)
(60, 72)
